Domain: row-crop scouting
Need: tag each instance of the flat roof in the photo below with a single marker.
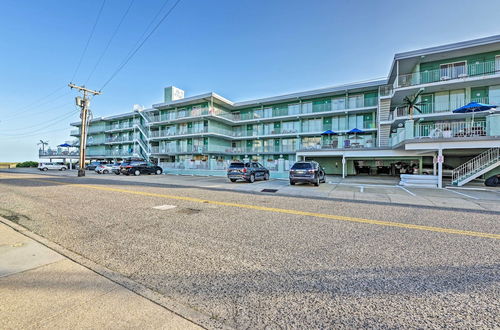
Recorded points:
(357, 86)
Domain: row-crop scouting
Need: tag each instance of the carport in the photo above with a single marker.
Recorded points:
(342, 160)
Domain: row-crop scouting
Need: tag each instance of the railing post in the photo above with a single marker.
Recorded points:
(440, 168)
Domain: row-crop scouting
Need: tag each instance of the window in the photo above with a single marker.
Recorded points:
(356, 101)
(294, 109)
(453, 70)
(338, 103)
(307, 107)
(457, 99)
(290, 127)
(268, 112)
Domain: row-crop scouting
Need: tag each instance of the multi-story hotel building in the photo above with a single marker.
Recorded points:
(203, 133)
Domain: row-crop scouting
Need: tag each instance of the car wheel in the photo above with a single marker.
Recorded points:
(292, 183)
(233, 180)
(105, 172)
(137, 173)
(63, 168)
(266, 176)
(117, 173)
(158, 172)
(45, 169)
(316, 183)
(252, 178)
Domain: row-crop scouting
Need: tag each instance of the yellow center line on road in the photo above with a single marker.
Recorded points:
(277, 210)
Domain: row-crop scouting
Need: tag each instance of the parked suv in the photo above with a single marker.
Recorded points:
(309, 172)
(52, 166)
(247, 171)
(138, 168)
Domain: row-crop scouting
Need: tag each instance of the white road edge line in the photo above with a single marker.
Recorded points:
(409, 192)
(457, 192)
(361, 189)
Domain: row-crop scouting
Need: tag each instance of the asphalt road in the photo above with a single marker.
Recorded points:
(258, 260)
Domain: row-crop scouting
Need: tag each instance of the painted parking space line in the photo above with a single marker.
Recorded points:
(165, 207)
(409, 192)
(460, 193)
(279, 210)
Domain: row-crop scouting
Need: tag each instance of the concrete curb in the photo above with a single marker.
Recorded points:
(185, 312)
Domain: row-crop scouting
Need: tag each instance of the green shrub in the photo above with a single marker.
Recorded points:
(27, 164)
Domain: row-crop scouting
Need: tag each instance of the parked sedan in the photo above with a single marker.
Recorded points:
(52, 166)
(138, 168)
(427, 169)
(92, 166)
(309, 172)
(247, 171)
(107, 168)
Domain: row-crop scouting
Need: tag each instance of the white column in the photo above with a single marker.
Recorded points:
(440, 168)
(343, 167)
(434, 163)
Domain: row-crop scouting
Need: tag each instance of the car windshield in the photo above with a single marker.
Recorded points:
(301, 166)
(236, 165)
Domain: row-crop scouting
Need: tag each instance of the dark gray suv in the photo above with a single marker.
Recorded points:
(309, 172)
(247, 171)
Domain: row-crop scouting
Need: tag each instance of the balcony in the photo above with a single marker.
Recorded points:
(448, 74)
(120, 139)
(454, 129)
(173, 133)
(58, 153)
(450, 130)
(402, 112)
(121, 126)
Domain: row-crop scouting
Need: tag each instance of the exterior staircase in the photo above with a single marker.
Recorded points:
(477, 166)
(142, 141)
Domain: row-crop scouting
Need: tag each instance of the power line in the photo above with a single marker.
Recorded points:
(66, 105)
(42, 128)
(109, 41)
(88, 41)
(140, 45)
(34, 107)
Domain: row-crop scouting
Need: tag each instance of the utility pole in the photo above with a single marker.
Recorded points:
(84, 105)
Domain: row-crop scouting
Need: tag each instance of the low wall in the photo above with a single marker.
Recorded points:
(8, 165)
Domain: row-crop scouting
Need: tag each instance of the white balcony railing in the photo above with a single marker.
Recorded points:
(452, 129)
(448, 73)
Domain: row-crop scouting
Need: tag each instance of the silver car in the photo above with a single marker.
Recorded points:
(107, 168)
(52, 166)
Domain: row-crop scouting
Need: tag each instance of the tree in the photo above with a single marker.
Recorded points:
(412, 102)
(43, 144)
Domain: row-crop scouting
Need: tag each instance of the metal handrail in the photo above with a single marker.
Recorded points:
(476, 164)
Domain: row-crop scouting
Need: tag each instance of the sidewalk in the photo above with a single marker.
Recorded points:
(40, 288)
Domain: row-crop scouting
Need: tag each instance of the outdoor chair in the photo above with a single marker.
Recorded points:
(347, 143)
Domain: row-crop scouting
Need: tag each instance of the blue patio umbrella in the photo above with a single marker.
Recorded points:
(355, 131)
(329, 132)
(474, 107)
(65, 145)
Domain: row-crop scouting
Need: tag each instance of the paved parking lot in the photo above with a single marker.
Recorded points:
(361, 189)
(248, 259)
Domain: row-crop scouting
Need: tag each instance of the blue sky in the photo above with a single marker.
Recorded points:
(239, 49)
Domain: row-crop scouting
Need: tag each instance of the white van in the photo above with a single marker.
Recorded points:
(52, 166)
